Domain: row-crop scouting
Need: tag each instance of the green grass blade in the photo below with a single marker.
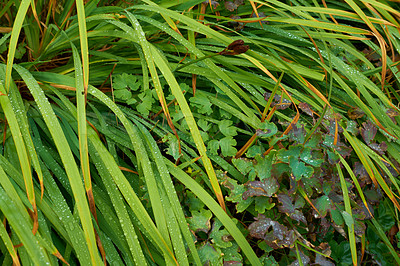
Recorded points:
(19, 19)
(350, 224)
(22, 228)
(67, 159)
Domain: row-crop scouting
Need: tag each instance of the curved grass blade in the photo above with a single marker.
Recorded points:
(172, 196)
(19, 19)
(20, 147)
(9, 245)
(176, 90)
(67, 159)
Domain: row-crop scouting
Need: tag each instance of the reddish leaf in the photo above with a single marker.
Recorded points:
(368, 131)
(321, 260)
(304, 259)
(278, 237)
(267, 188)
(230, 6)
(214, 4)
(297, 134)
(379, 148)
(355, 113)
(279, 102)
(361, 173)
(306, 108)
(289, 209)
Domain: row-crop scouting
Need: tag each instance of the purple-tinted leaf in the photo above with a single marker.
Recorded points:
(278, 102)
(300, 170)
(335, 197)
(235, 24)
(289, 209)
(286, 201)
(297, 134)
(393, 170)
(299, 202)
(323, 205)
(280, 169)
(379, 148)
(268, 187)
(306, 108)
(230, 6)
(260, 227)
(361, 173)
(322, 261)
(331, 126)
(392, 113)
(214, 3)
(238, 2)
(359, 228)
(368, 131)
(278, 237)
(305, 260)
(355, 113)
(325, 225)
(260, 15)
(283, 105)
(373, 196)
(311, 184)
(298, 216)
(343, 150)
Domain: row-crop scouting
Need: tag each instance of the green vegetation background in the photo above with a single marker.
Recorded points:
(197, 132)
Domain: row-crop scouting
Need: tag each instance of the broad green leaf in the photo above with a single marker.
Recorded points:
(227, 145)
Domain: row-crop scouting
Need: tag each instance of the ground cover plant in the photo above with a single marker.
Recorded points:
(197, 132)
